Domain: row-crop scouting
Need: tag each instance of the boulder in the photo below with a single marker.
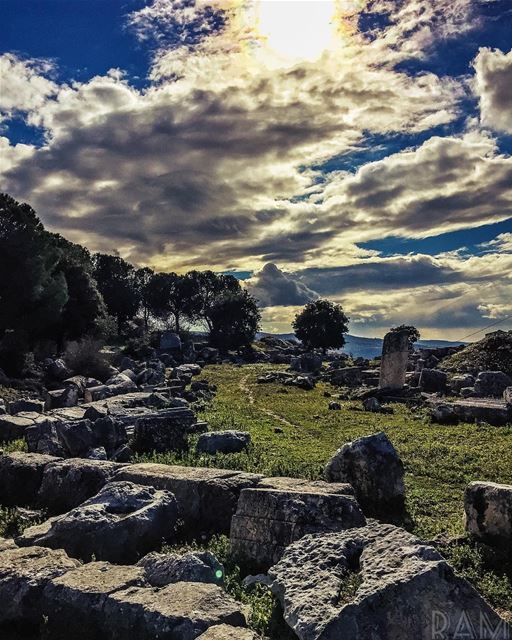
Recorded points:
(21, 475)
(168, 430)
(180, 611)
(488, 508)
(120, 524)
(492, 384)
(67, 483)
(109, 433)
(76, 437)
(334, 406)
(73, 603)
(372, 404)
(433, 381)
(376, 582)
(13, 427)
(207, 498)
(161, 569)
(462, 381)
(17, 406)
(223, 442)
(42, 437)
(56, 369)
(268, 520)
(373, 467)
(226, 632)
(306, 363)
(346, 376)
(24, 573)
(444, 414)
(66, 397)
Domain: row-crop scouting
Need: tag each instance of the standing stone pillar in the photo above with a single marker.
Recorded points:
(395, 356)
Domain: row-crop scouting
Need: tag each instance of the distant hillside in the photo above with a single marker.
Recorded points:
(360, 347)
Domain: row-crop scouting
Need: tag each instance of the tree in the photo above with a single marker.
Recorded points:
(173, 294)
(118, 286)
(414, 334)
(33, 291)
(321, 324)
(210, 286)
(84, 310)
(235, 319)
(142, 282)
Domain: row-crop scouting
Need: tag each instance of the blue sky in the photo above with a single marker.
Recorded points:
(186, 134)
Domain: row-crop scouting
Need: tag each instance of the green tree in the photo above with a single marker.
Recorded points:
(414, 334)
(143, 279)
(210, 286)
(321, 324)
(33, 292)
(118, 286)
(235, 319)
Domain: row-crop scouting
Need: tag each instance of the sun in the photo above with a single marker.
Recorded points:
(296, 30)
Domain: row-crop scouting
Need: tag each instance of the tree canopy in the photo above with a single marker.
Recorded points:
(321, 324)
(235, 319)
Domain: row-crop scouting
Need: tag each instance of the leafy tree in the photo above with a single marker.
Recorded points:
(414, 334)
(321, 324)
(175, 295)
(143, 279)
(84, 310)
(235, 319)
(210, 286)
(118, 286)
(33, 291)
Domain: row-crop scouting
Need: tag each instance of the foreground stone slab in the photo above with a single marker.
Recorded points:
(68, 483)
(13, 427)
(377, 582)
(283, 483)
(120, 524)
(24, 573)
(488, 509)
(21, 475)
(494, 412)
(268, 520)
(180, 611)
(225, 632)
(73, 603)
(373, 467)
(207, 498)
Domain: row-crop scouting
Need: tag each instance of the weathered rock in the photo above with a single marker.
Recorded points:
(207, 498)
(13, 427)
(223, 442)
(109, 433)
(56, 369)
(468, 392)
(73, 603)
(376, 582)
(66, 397)
(492, 384)
(226, 632)
(372, 404)
(373, 467)
(334, 406)
(306, 363)
(42, 437)
(7, 543)
(17, 406)
(433, 381)
(268, 520)
(507, 395)
(180, 611)
(346, 376)
(93, 394)
(169, 430)
(161, 569)
(67, 483)
(120, 524)
(462, 381)
(488, 509)
(395, 356)
(24, 574)
(300, 485)
(76, 437)
(490, 410)
(21, 475)
(444, 414)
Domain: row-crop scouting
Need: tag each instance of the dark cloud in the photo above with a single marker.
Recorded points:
(273, 287)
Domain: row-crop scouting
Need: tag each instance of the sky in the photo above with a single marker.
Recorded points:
(358, 150)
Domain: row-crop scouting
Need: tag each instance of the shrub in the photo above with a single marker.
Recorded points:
(84, 358)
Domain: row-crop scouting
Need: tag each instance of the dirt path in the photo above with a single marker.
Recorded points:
(246, 390)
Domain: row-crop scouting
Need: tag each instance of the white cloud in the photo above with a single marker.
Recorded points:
(493, 85)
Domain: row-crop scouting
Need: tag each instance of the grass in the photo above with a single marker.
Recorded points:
(294, 433)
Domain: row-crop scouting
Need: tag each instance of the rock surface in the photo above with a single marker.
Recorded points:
(225, 632)
(488, 508)
(373, 467)
(24, 574)
(223, 442)
(21, 475)
(161, 569)
(268, 520)
(120, 524)
(492, 384)
(395, 356)
(377, 582)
